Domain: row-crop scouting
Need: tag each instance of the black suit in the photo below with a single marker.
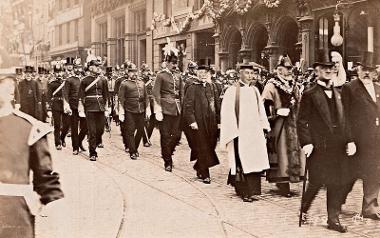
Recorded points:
(363, 113)
(321, 123)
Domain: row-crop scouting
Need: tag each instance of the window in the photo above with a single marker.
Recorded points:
(68, 30)
(168, 8)
(140, 21)
(323, 33)
(119, 34)
(60, 35)
(103, 39)
(59, 5)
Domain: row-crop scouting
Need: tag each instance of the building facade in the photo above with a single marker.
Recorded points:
(70, 29)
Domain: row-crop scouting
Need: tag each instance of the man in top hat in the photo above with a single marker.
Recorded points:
(362, 103)
(327, 142)
(71, 103)
(168, 94)
(93, 96)
(23, 148)
(30, 97)
(42, 81)
(134, 103)
(281, 98)
(201, 108)
(55, 99)
(243, 120)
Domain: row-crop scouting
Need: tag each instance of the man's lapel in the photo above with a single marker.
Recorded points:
(362, 92)
(339, 105)
(320, 101)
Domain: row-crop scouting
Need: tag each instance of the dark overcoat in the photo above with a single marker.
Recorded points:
(363, 115)
(202, 105)
(328, 164)
(55, 101)
(29, 97)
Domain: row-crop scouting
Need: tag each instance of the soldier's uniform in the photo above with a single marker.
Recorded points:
(25, 143)
(168, 91)
(55, 99)
(93, 93)
(118, 107)
(151, 122)
(134, 100)
(71, 96)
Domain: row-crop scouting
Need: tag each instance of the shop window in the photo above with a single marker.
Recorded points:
(102, 36)
(119, 34)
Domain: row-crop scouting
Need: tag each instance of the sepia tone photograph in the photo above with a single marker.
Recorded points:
(189, 118)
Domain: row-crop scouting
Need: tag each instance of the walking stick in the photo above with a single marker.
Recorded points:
(303, 194)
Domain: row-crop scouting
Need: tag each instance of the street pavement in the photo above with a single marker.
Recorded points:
(137, 198)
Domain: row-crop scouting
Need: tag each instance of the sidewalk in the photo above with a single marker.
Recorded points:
(93, 205)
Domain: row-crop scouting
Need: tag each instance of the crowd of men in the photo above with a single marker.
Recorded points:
(323, 121)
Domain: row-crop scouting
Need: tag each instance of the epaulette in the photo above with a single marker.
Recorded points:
(39, 129)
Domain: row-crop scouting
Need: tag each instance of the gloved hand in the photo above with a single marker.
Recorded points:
(159, 116)
(308, 149)
(49, 114)
(194, 126)
(351, 149)
(284, 112)
(121, 117)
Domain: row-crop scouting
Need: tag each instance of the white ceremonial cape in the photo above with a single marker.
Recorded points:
(252, 120)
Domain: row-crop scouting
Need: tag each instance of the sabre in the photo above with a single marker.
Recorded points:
(146, 135)
(303, 194)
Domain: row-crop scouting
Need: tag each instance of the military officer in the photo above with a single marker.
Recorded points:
(93, 96)
(135, 102)
(26, 137)
(71, 103)
(168, 94)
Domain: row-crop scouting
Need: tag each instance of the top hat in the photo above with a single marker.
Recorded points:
(368, 61)
(41, 70)
(29, 69)
(18, 70)
(284, 61)
(132, 67)
(323, 60)
(69, 61)
(108, 70)
(204, 64)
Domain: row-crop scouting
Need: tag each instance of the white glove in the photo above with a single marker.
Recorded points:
(17, 106)
(308, 149)
(106, 113)
(159, 116)
(351, 149)
(81, 114)
(49, 114)
(283, 112)
(121, 117)
(148, 113)
(194, 126)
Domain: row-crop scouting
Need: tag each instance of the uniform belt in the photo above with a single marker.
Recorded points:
(21, 190)
(57, 98)
(94, 96)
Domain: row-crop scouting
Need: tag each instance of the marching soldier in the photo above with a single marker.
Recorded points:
(71, 96)
(147, 77)
(134, 104)
(55, 99)
(93, 96)
(27, 138)
(30, 98)
(168, 93)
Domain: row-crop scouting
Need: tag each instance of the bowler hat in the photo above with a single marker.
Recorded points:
(204, 64)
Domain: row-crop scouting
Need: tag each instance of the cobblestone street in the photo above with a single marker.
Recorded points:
(156, 203)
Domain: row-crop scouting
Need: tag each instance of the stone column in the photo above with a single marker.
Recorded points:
(217, 48)
(306, 42)
(223, 57)
(272, 51)
(111, 51)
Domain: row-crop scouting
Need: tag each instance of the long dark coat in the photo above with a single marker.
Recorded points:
(29, 97)
(328, 164)
(202, 105)
(364, 115)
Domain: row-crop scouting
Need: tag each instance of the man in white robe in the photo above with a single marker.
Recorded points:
(243, 122)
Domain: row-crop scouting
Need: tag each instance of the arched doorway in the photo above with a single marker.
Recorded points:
(288, 38)
(258, 41)
(234, 46)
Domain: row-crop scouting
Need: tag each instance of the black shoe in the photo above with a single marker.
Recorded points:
(133, 156)
(168, 168)
(375, 216)
(336, 226)
(63, 143)
(147, 144)
(101, 146)
(305, 218)
(75, 152)
(81, 147)
(247, 199)
(93, 158)
(206, 180)
(58, 147)
(137, 154)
